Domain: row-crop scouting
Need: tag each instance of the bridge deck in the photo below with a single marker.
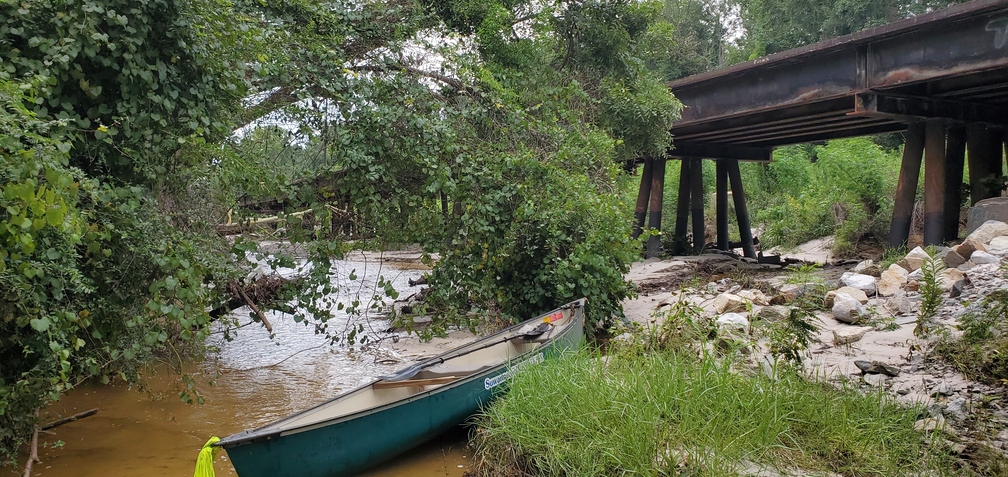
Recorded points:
(951, 64)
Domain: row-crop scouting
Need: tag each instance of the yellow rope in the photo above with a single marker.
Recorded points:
(204, 463)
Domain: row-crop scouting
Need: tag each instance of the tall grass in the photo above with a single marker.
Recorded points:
(665, 414)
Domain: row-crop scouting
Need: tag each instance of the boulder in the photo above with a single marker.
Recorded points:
(846, 309)
(892, 280)
(981, 258)
(877, 367)
(855, 293)
(731, 322)
(865, 283)
(951, 258)
(948, 277)
(898, 304)
(967, 247)
(995, 208)
(774, 313)
(986, 232)
(728, 303)
(998, 245)
(755, 297)
(848, 335)
(916, 258)
(868, 267)
(912, 286)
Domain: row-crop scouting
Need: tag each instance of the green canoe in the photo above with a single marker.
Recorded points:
(369, 425)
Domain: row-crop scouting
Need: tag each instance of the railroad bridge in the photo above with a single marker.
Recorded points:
(941, 78)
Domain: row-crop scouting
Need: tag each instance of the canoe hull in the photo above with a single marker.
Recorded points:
(353, 444)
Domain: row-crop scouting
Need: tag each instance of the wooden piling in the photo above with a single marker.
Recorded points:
(697, 205)
(955, 157)
(934, 182)
(722, 204)
(741, 210)
(683, 205)
(978, 143)
(643, 195)
(906, 188)
(655, 214)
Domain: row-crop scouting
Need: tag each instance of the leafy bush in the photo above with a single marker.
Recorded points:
(537, 238)
(843, 188)
(70, 244)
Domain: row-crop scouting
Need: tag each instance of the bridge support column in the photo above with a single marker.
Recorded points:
(722, 204)
(643, 195)
(697, 199)
(657, 196)
(955, 157)
(683, 205)
(934, 182)
(983, 154)
(741, 210)
(906, 188)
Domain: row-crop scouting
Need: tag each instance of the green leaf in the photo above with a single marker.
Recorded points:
(40, 324)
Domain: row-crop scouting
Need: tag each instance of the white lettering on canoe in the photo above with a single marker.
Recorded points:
(494, 381)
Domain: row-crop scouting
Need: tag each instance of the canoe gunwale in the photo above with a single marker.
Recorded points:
(251, 436)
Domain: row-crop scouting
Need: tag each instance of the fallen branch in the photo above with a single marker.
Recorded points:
(252, 305)
(33, 455)
(60, 422)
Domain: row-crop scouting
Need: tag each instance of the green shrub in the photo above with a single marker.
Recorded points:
(843, 188)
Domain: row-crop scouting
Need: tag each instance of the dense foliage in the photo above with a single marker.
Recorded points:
(843, 188)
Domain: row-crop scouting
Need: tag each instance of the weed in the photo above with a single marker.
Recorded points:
(790, 338)
(892, 255)
(804, 274)
(931, 293)
(681, 327)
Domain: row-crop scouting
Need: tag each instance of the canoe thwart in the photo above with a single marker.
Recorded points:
(413, 382)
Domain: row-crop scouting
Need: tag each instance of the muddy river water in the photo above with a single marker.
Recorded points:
(255, 379)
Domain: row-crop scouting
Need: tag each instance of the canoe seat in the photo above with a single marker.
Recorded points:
(455, 369)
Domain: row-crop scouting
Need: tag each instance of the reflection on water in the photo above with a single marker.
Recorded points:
(255, 379)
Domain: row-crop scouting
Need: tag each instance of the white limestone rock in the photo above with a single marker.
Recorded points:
(733, 322)
(981, 258)
(865, 283)
(988, 231)
(916, 258)
(846, 309)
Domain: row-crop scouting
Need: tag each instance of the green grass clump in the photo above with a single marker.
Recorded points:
(665, 414)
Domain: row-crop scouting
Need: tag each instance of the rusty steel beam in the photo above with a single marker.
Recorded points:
(697, 205)
(955, 157)
(934, 182)
(721, 202)
(741, 211)
(909, 108)
(643, 195)
(721, 151)
(683, 206)
(906, 187)
(734, 131)
(655, 215)
(836, 132)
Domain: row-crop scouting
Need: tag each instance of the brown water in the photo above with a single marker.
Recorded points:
(256, 379)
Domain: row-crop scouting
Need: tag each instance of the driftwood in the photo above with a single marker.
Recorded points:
(33, 455)
(248, 301)
(264, 289)
(245, 225)
(60, 422)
